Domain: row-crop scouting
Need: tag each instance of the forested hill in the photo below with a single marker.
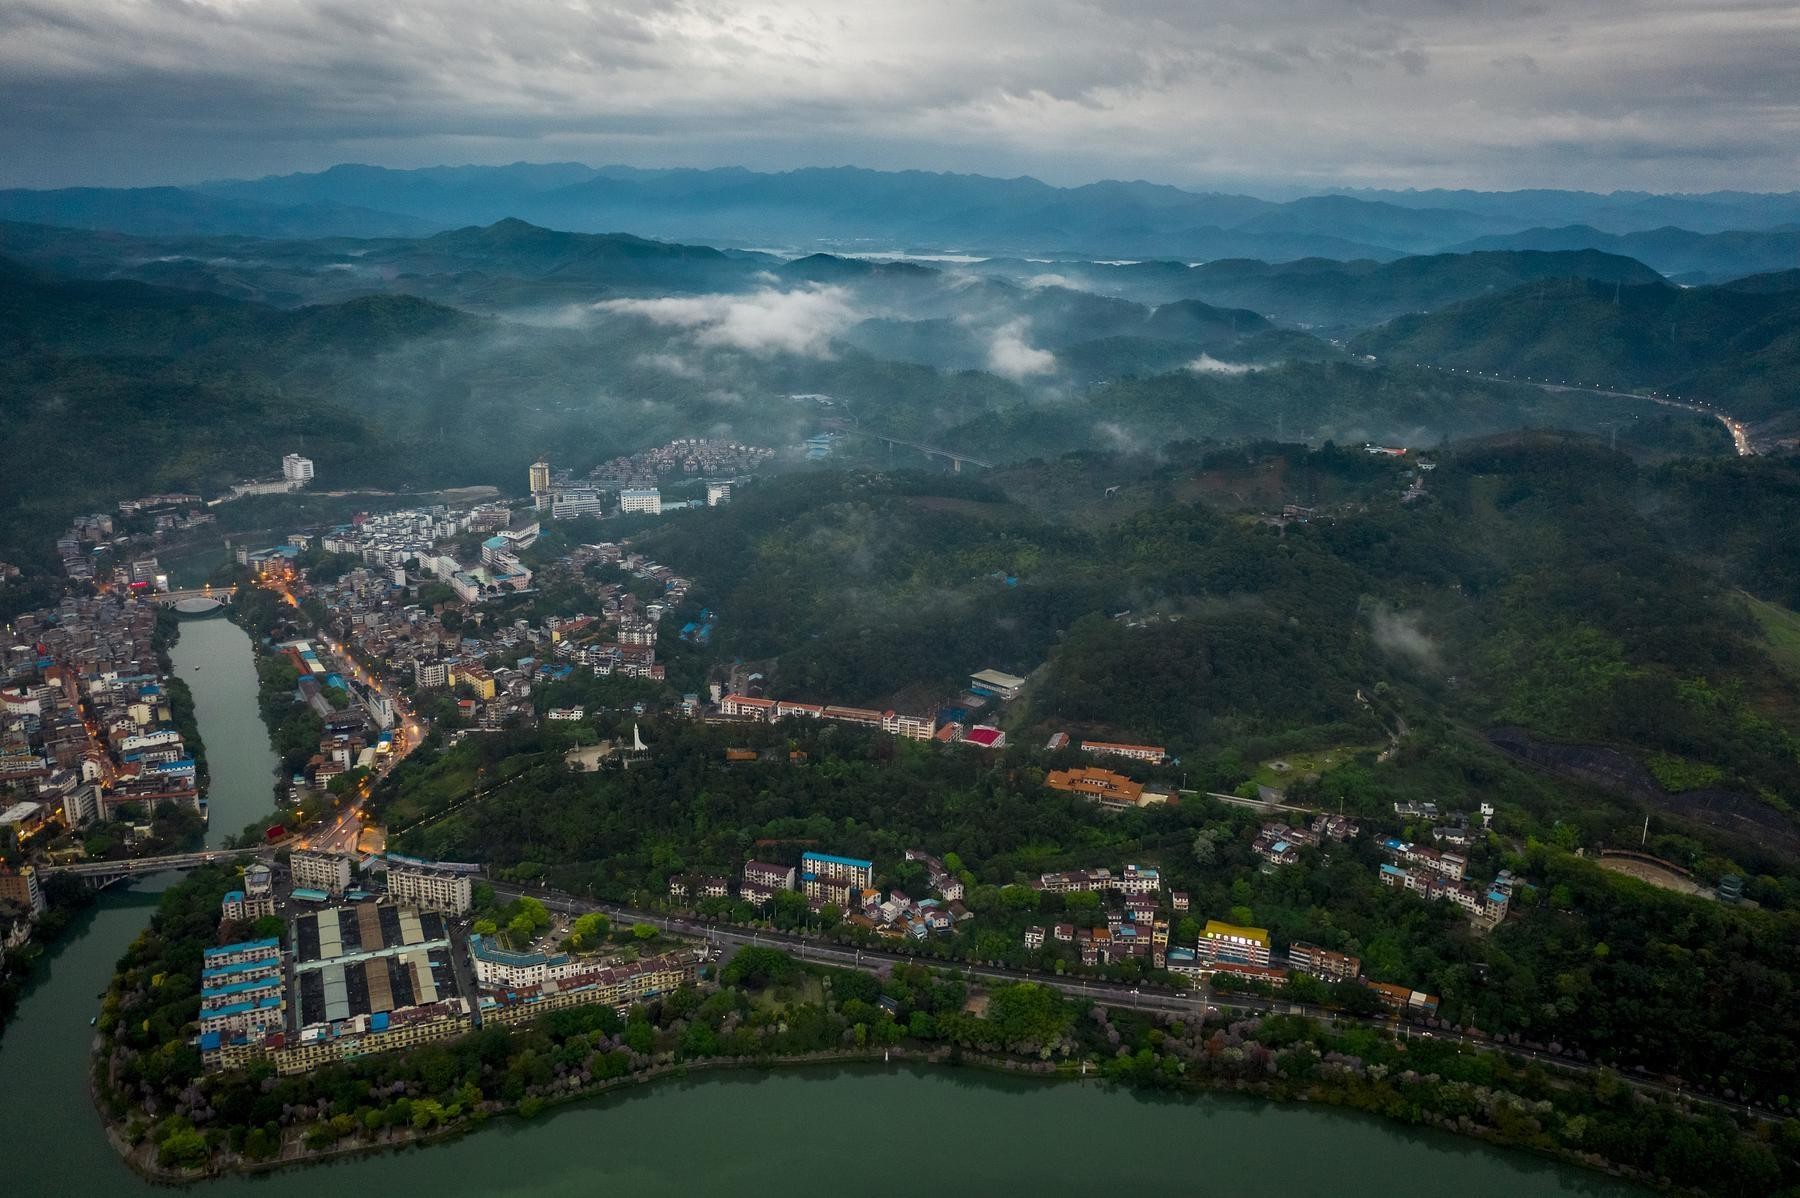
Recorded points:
(1523, 589)
(45, 315)
(118, 389)
(1736, 347)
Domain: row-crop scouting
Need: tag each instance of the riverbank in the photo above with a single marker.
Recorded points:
(67, 900)
(717, 1130)
(764, 1012)
(296, 1154)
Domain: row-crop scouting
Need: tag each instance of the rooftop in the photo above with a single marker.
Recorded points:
(226, 950)
(1216, 929)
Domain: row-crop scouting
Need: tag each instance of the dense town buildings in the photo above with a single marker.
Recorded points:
(86, 726)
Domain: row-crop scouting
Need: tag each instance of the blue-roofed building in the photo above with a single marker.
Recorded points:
(852, 871)
(254, 1017)
(248, 950)
(240, 968)
(496, 966)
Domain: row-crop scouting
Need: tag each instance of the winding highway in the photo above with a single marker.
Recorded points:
(1740, 433)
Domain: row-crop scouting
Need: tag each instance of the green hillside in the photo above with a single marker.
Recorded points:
(1737, 348)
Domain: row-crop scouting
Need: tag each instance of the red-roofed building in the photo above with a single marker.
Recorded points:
(984, 736)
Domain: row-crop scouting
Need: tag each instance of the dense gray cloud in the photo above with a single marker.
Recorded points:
(1662, 94)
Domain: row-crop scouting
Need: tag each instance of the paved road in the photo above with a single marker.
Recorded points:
(1113, 993)
(805, 948)
(1740, 434)
(344, 833)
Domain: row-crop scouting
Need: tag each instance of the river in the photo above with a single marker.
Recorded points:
(215, 658)
(868, 1130)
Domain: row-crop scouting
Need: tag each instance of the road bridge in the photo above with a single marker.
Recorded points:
(105, 873)
(195, 600)
(955, 459)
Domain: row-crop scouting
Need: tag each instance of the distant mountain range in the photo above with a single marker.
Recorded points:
(177, 210)
(1682, 254)
(847, 209)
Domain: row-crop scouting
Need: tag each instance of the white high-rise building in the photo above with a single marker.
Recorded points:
(641, 499)
(296, 469)
(717, 493)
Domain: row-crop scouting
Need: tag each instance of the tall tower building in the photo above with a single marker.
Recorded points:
(540, 483)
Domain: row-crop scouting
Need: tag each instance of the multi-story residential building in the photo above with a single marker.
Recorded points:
(539, 476)
(1155, 754)
(698, 886)
(617, 985)
(255, 900)
(1140, 879)
(329, 872)
(1034, 938)
(1323, 963)
(19, 888)
(647, 500)
(911, 727)
(750, 707)
(1229, 943)
(571, 503)
(431, 885)
(1490, 905)
(478, 679)
(821, 890)
(1280, 845)
(717, 494)
(81, 805)
(496, 966)
(427, 674)
(242, 953)
(757, 894)
(296, 469)
(852, 870)
(1072, 880)
(775, 877)
(243, 989)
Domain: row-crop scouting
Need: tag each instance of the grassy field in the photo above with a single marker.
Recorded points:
(1289, 768)
(1781, 629)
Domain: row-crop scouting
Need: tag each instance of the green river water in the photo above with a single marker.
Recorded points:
(213, 656)
(865, 1131)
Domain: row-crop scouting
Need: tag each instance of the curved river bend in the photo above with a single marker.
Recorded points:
(866, 1130)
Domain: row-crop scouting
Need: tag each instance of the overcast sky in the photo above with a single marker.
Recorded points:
(1670, 95)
